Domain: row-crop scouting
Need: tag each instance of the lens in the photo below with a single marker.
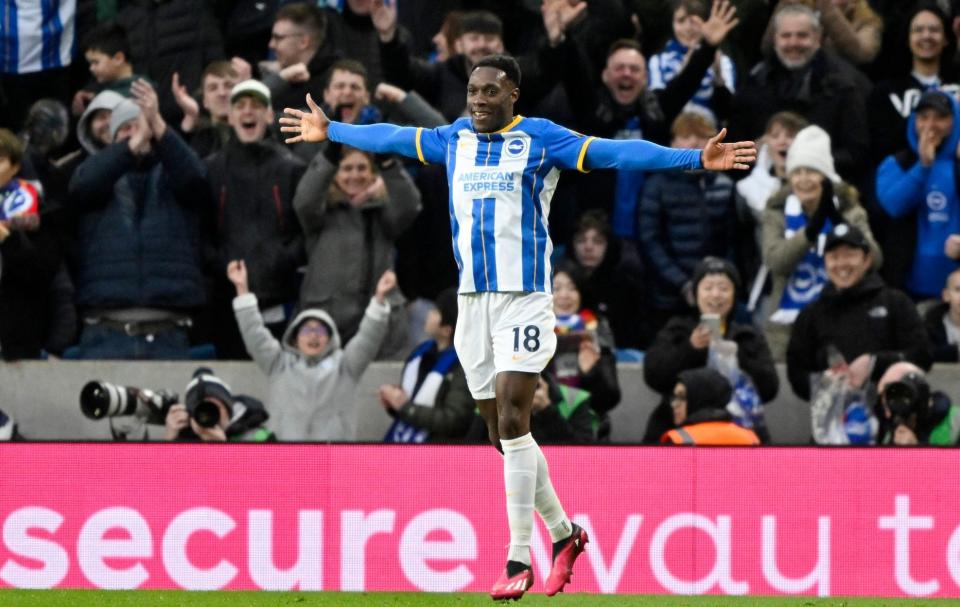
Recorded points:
(99, 399)
(206, 414)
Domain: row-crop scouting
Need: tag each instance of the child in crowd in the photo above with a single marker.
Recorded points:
(107, 51)
(19, 199)
(943, 322)
(312, 378)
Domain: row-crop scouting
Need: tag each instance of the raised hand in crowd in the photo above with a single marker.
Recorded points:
(558, 15)
(237, 274)
(80, 100)
(188, 105)
(951, 246)
(384, 17)
(242, 67)
(927, 146)
(389, 93)
(311, 127)
(588, 355)
(144, 95)
(296, 73)
(140, 135)
(377, 189)
(387, 282)
(723, 18)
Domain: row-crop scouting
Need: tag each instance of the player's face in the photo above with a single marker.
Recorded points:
(927, 38)
(566, 297)
(795, 41)
(346, 91)
(313, 337)
(715, 295)
(216, 95)
(846, 265)
(625, 75)
(490, 99)
(250, 117)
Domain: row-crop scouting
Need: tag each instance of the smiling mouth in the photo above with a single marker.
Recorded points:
(480, 115)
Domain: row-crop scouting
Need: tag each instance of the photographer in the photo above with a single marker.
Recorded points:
(910, 413)
(210, 413)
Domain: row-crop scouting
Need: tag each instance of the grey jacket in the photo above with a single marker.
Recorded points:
(311, 398)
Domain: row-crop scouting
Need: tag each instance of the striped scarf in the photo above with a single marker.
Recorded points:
(424, 394)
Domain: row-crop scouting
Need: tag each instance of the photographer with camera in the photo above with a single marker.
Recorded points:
(211, 413)
(910, 413)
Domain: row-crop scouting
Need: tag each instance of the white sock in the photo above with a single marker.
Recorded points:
(548, 504)
(520, 480)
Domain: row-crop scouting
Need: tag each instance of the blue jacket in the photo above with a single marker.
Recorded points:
(138, 228)
(683, 217)
(904, 186)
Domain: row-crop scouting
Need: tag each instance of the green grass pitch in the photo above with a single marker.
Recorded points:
(152, 598)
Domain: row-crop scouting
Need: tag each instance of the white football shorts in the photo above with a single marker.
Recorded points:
(503, 332)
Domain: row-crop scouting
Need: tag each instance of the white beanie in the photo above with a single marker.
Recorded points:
(811, 149)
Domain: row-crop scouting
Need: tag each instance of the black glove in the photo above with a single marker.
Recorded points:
(826, 200)
(816, 222)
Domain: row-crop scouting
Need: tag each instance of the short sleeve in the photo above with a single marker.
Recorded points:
(566, 149)
(431, 144)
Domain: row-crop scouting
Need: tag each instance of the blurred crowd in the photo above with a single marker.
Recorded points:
(150, 209)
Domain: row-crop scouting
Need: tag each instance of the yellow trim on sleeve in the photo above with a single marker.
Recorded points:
(583, 155)
(516, 120)
(416, 140)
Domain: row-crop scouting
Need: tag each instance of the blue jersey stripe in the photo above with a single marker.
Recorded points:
(540, 237)
(528, 222)
(482, 244)
(489, 209)
(11, 49)
(454, 224)
(489, 148)
(52, 31)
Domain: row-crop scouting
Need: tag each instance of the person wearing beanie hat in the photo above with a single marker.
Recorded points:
(698, 403)
(686, 341)
(432, 401)
(795, 225)
(137, 282)
(236, 417)
(919, 183)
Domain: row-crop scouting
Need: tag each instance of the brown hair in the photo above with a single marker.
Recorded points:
(792, 122)
(221, 69)
(692, 123)
(623, 43)
(11, 147)
(306, 16)
(691, 7)
(348, 65)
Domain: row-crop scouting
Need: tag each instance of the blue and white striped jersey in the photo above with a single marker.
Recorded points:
(500, 189)
(36, 35)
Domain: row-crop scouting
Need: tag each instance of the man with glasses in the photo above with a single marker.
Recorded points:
(299, 33)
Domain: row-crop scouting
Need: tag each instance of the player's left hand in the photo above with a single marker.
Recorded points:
(718, 156)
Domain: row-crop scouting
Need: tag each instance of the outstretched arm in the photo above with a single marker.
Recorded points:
(314, 126)
(640, 155)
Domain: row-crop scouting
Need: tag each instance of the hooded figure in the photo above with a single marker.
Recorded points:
(310, 397)
(107, 101)
(699, 405)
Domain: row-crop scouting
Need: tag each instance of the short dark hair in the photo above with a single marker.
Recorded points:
(348, 65)
(306, 16)
(594, 219)
(691, 7)
(791, 121)
(109, 38)
(11, 147)
(481, 22)
(505, 63)
(624, 43)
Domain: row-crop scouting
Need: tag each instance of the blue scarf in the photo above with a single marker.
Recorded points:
(810, 275)
(423, 394)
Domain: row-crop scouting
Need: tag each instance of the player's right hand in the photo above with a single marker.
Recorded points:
(310, 126)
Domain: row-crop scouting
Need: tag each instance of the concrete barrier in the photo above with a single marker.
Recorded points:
(43, 397)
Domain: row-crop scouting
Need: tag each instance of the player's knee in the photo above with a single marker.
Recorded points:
(512, 425)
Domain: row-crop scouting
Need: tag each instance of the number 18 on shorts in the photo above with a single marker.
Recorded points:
(503, 332)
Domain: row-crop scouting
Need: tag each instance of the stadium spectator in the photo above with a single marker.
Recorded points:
(851, 28)
(93, 128)
(207, 131)
(173, 36)
(211, 413)
(943, 322)
(625, 108)
(312, 377)
(432, 402)
(31, 246)
(353, 31)
(683, 217)
(686, 341)
(253, 181)
(699, 407)
(802, 78)
(299, 41)
(795, 224)
(137, 267)
(560, 415)
(607, 286)
(107, 52)
(348, 202)
(717, 87)
(870, 325)
(585, 355)
(919, 181)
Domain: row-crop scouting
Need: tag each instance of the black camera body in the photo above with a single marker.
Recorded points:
(205, 412)
(907, 400)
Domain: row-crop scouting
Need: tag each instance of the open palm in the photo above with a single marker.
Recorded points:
(718, 156)
(309, 126)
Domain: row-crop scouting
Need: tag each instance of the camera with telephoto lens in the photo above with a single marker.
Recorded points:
(907, 400)
(100, 399)
(206, 412)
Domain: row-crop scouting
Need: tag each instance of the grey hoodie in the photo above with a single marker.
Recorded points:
(311, 397)
(105, 100)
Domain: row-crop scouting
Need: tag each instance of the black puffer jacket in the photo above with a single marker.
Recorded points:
(942, 350)
(168, 36)
(673, 353)
(867, 318)
(252, 186)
